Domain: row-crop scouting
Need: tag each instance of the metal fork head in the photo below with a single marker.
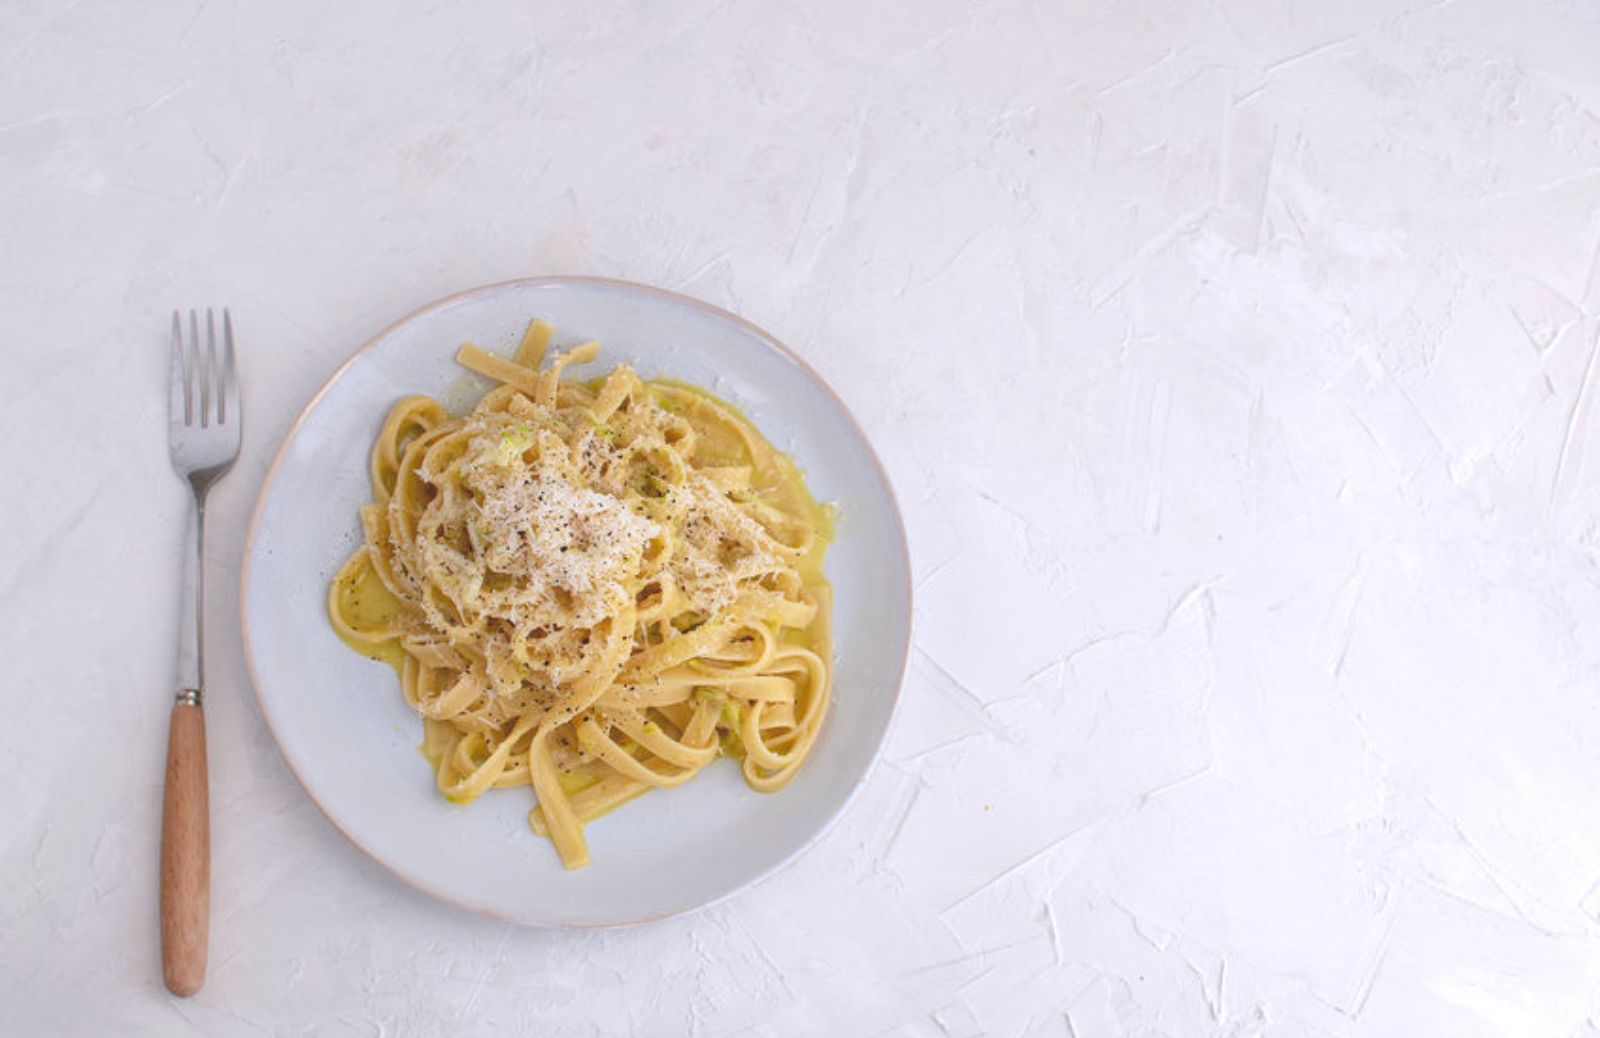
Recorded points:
(204, 420)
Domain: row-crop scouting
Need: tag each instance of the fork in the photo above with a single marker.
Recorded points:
(204, 422)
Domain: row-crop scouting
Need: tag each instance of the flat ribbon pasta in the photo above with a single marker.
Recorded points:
(595, 589)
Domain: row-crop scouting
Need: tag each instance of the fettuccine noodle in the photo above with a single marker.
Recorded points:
(591, 588)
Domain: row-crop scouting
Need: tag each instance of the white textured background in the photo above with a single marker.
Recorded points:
(1233, 360)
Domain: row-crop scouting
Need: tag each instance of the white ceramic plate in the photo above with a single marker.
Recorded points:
(349, 735)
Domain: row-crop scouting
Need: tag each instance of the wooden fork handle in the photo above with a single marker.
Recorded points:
(185, 852)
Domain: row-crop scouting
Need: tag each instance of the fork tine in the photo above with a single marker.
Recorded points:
(193, 376)
(230, 378)
(178, 376)
(213, 375)
(205, 362)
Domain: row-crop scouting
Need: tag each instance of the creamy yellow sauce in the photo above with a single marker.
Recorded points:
(365, 599)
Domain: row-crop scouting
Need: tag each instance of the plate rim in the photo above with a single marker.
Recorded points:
(897, 693)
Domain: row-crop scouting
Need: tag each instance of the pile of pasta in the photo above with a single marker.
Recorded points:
(594, 588)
